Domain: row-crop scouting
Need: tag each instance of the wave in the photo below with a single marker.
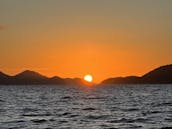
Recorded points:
(97, 117)
(130, 109)
(32, 115)
(89, 109)
(124, 120)
(166, 128)
(38, 120)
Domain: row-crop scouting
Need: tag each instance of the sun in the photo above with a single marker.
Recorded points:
(88, 78)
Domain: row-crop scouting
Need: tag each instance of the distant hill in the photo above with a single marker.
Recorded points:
(29, 77)
(27, 74)
(122, 80)
(3, 75)
(3, 78)
(161, 75)
(33, 78)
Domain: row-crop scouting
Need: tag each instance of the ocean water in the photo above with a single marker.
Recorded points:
(98, 107)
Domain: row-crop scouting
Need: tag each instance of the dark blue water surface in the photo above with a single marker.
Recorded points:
(98, 107)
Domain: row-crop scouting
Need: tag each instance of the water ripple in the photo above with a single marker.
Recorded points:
(101, 107)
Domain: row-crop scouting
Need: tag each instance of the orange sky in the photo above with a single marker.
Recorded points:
(71, 39)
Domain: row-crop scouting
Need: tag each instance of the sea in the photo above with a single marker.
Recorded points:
(86, 107)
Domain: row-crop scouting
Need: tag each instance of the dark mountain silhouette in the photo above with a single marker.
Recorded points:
(27, 74)
(161, 75)
(3, 75)
(73, 81)
(122, 80)
(56, 80)
(3, 78)
(28, 77)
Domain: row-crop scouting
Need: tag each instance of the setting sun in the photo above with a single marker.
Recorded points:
(88, 78)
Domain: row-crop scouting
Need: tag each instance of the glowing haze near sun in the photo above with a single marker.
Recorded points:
(88, 78)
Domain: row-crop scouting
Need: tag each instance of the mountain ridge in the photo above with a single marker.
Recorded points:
(29, 77)
(159, 75)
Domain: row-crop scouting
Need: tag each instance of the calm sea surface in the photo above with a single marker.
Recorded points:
(99, 107)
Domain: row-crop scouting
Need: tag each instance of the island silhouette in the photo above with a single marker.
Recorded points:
(160, 75)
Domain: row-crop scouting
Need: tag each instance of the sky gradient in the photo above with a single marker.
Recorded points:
(71, 38)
